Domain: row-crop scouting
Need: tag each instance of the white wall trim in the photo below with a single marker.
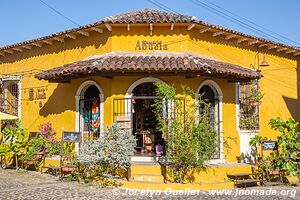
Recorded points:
(129, 91)
(219, 94)
(214, 86)
(5, 80)
(80, 92)
(140, 81)
(245, 135)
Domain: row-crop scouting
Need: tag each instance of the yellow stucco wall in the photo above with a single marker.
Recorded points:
(279, 82)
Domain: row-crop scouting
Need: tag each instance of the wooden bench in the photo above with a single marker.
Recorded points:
(244, 179)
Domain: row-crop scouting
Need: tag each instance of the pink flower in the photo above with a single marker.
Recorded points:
(47, 131)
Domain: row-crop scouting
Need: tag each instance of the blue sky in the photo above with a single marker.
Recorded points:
(28, 19)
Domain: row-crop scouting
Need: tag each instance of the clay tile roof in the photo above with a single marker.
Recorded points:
(149, 16)
(171, 63)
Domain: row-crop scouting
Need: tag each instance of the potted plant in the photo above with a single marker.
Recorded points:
(256, 97)
(249, 123)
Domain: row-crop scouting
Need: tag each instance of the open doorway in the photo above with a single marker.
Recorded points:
(149, 140)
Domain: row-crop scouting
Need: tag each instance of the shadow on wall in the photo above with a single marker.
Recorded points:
(62, 99)
(294, 104)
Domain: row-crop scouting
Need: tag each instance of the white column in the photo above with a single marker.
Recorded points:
(77, 125)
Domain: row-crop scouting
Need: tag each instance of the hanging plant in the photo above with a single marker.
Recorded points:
(256, 97)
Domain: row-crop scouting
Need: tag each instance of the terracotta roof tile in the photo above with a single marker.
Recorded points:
(149, 62)
(149, 16)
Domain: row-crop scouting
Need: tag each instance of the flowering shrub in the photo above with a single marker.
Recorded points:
(47, 131)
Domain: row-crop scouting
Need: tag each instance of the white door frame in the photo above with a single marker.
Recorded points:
(128, 107)
(218, 94)
(80, 92)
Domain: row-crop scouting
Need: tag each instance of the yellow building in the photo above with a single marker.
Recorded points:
(111, 65)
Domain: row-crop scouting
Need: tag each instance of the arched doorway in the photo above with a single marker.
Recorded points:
(211, 94)
(89, 101)
(144, 124)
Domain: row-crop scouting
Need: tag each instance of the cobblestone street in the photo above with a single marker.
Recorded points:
(33, 185)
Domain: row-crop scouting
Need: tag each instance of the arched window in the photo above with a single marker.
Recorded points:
(211, 94)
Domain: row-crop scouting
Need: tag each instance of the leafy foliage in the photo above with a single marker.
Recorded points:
(45, 142)
(106, 155)
(190, 140)
(248, 123)
(288, 158)
(289, 141)
(257, 95)
(15, 140)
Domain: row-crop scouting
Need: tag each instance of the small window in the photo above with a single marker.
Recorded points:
(248, 105)
(9, 97)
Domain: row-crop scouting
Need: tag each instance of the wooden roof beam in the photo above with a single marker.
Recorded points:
(8, 51)
(172, 26)
(263, 45)
(191, 26)
(151, 28)
(17, 49)
(228, 37)
(241, 40)
(252, 42)
(47, 42)
(297, 53)
(27, 47)
(71, 36)
(59, 39)
(203, 30)
(281, 49)
(217, 33)
(272, 47)
(108, 26)
(290, 51)
(37, 44)
(84, 33)
(99, 30)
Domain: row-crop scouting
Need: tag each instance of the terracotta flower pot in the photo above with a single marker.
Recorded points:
(38, 156)
(68, 169)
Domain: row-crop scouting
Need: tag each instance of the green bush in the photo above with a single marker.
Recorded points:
(15, 140)
(289, 142)
(104, 157)
(288, 158)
